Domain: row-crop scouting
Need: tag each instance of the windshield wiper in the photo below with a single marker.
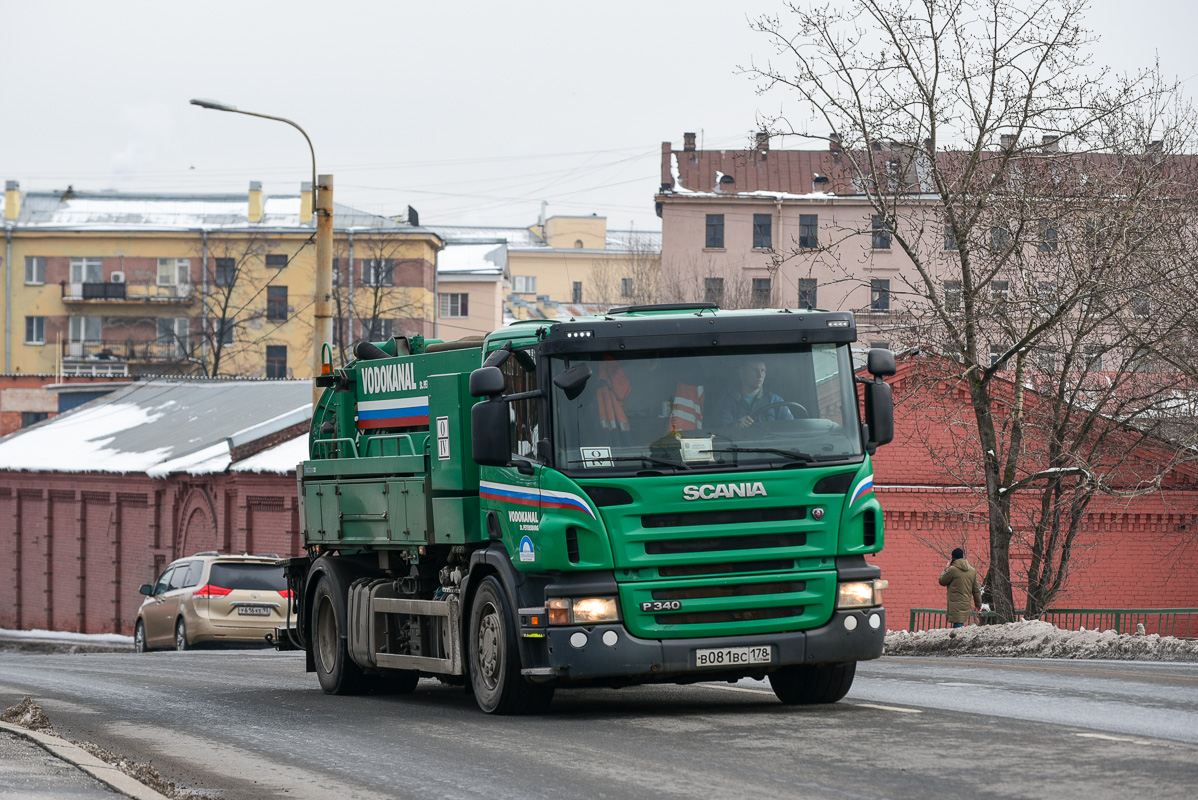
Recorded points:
(797, 456)
(644, 459)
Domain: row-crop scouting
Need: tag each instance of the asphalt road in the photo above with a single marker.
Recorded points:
(250, 725)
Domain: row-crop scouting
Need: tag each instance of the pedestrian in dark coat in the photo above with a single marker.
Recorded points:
(963, 587)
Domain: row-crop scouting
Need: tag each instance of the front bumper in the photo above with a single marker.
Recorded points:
(609, 652)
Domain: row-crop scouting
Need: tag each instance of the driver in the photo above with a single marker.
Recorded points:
(751, 402)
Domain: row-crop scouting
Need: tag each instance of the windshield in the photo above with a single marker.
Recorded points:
(685, 410)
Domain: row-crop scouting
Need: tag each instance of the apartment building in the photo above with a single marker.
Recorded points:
(116, 283)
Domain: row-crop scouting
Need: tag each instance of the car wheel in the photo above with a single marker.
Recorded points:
(336, 671)
(181, 642)
(139, 638)
(811, 684)
(495, 677)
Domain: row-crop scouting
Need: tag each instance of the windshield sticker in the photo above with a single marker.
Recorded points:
(696, 449)
(530, 496)
(865, 487)
(596, 457)
(527, 553)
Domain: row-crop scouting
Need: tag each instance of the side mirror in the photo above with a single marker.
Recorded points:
(486, 382)
(573, 380)
(146, 589)
(491, 433)
(881, 362)
(879, 413)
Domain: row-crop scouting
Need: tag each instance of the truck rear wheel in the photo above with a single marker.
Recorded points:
(811, 684)
(494, 654)
(335, 670)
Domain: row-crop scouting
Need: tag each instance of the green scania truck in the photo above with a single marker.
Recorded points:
(671, 493)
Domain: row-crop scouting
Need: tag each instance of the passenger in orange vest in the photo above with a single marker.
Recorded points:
(686, 410)
(614, 387)
(750, 403)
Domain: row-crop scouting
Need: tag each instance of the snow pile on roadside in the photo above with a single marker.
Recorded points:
(66, 636)
(1038, 639)
(27, 714)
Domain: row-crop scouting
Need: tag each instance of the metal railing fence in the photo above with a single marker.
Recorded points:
(1179, 622)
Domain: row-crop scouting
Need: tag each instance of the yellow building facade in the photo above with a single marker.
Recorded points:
(107, 283)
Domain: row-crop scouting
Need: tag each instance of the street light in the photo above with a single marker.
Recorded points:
(323, 204)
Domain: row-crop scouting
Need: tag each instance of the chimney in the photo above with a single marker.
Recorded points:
(12, 199)
(305, 203)
(834, 142)
(255, 212)
(413, 217)
(1050, 143)
(1006, 141)
(763, 140)
(688, 142)
(667, 171)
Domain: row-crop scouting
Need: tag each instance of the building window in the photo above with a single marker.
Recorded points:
(174, 271)
(524, 284)
(879, 294)
(1140, 360)
(35, 330)
(379, 329)
(881, 235)
(276, 361)
(224, 331)
(173, 332)
(807, 293)
(626, 287)
(1046, 359)
(1141, 306)
(578, 244)
(715, 230)
(1000, 292)
(950, 238)
(809, 230)
(276, 260)
(378, 272)
(226, 271)
(576, 292)
(33, 417)
(995, 354)
(1046, 294)
(762, 292)
(713, 290)
(35, 270)
(86, 270)
(84, 329)
(1048, 235)
(455, 304)
(1094, 358)
(763, 234)
(952, 295)
(1000, 240)
(276, 302)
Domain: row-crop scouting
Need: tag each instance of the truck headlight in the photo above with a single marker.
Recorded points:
(860, 594)
(582, 610)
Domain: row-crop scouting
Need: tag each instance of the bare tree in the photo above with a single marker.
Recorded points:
(703, 279)
(632, 278)
(1046, 210)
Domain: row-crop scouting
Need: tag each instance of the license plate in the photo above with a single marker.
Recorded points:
(253, 611)
(733, 656)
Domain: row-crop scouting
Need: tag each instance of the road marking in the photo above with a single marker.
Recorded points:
(1109, 738)
(888, 708)
(855, 705)
(736, 689)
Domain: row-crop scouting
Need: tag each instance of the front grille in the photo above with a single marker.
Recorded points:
(729, 590)
(734, 516)
(738, 615)
(688, 570)
(712, 544)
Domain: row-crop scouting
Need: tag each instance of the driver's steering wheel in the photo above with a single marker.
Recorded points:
(785, 404)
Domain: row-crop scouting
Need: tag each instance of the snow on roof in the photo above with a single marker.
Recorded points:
(467, 234)
(477, 258)
(160, 427)
(281, 458)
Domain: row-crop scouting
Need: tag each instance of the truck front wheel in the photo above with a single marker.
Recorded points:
(499, 688)
(335, 670)
(811, 684)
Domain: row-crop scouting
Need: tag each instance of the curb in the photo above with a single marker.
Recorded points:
(106, 774)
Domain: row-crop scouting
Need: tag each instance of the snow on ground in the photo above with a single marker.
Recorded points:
(1037, 639)
(64, 636)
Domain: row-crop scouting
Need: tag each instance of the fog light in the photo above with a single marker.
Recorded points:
(850, 623)
(610, 638)
(875, 621)
(578, 639)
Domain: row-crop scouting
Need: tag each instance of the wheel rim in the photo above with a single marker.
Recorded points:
(180, 637)
(326, 636)
(489, 658)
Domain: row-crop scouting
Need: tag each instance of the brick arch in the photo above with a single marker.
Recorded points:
(197, 524)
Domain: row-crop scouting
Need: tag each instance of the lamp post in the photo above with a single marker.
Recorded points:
(323, 205)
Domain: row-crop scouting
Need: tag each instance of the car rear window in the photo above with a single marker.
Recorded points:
(248, 576)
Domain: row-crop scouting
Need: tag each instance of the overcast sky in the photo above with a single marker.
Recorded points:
(472, 111)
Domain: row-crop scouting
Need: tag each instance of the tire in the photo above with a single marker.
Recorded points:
(181, 642)
(336, 671)
(139, 638)
(811, 684)
(494, 656)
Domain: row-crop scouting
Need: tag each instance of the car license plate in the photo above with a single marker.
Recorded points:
(733, 656)
(253, 611)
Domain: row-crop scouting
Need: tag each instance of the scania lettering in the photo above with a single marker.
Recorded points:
(585, 502)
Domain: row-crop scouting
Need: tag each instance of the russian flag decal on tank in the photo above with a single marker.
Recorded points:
(864, 487)
(399, 412)
(529, 496)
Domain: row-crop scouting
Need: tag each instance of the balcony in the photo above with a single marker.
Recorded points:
(159, 351)
(121, 292)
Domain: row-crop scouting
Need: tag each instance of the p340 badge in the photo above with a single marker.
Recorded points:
(662, 605)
